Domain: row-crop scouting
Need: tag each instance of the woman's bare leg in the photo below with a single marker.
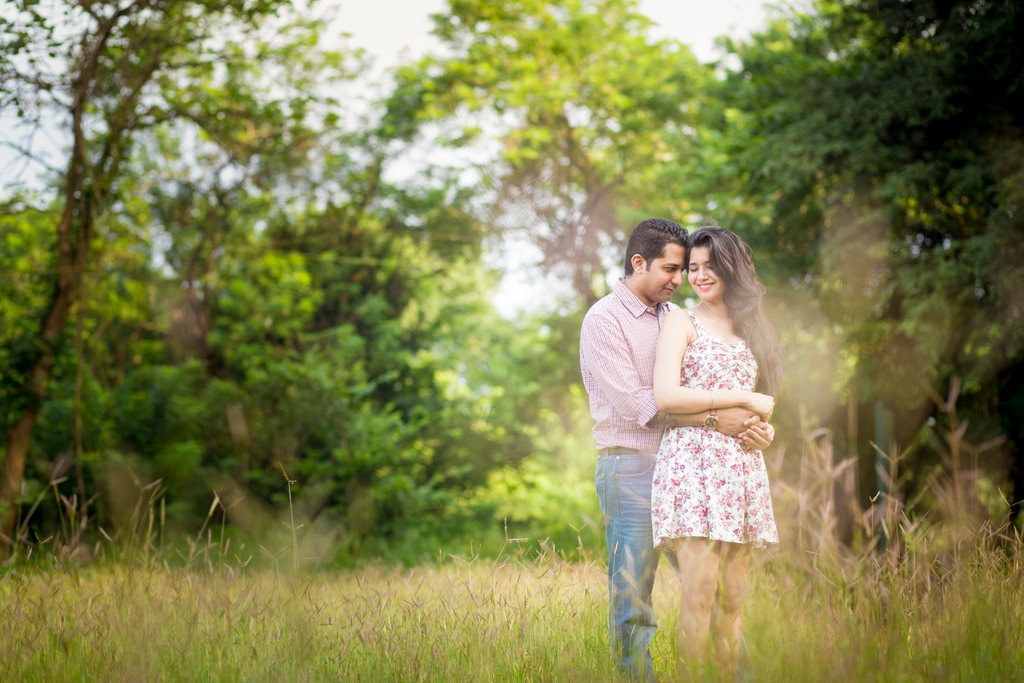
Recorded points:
(698, 579)
(734, 559)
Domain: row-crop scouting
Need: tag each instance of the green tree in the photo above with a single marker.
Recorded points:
(583, 103)
(871, 153)
(103, 71)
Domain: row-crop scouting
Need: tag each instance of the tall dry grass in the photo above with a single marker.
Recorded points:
(479, 620)
(893, 591)
(516, 619)
(909, 596)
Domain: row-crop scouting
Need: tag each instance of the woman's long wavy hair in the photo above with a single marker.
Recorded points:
(730, 259)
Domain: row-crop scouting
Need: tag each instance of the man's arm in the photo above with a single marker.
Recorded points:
(738, 422)
(731, 421)
(663, 420)
(614, 370)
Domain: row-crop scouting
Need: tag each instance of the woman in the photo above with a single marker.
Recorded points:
(710, 501)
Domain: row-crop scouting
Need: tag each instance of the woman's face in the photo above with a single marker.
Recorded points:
(702, 278)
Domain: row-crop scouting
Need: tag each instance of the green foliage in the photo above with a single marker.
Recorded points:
(255, 293)
(870, 154)
(583, 103)
(26, 279)
(258, 296)
(890, 178)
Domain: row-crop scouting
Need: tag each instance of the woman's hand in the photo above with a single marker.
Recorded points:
(758, 436)
(762, 404)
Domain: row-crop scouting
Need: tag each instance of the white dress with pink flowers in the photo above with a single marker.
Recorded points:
(706, 483)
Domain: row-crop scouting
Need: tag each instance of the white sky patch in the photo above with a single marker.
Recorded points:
(698, 23)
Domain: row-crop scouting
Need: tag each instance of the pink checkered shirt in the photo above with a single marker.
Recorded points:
(617, 346)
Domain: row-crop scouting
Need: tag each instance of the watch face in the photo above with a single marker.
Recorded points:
(711, 422)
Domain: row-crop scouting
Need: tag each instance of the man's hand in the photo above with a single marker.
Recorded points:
(746, 426)
(735, 421)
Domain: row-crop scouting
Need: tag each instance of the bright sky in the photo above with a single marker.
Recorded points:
(393, 30)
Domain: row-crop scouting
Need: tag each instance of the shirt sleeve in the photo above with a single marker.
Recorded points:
(605, 354)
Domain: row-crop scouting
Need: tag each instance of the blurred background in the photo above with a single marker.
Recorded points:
(261, 258)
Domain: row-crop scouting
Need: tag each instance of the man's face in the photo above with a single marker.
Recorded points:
(655, 285)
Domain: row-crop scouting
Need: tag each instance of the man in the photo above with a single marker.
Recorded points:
(617, 349)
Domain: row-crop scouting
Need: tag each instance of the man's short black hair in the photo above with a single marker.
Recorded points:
(649, 238)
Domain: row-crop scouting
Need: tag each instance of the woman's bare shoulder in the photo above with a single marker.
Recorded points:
(677, 315)
(678, 320)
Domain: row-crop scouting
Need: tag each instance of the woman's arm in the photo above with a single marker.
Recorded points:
(677, 333)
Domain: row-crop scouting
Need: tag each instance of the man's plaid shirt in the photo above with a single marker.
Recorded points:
(617, 347)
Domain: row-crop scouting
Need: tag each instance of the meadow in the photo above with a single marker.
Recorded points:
(511, 619)
(231, 246)
(938, 600)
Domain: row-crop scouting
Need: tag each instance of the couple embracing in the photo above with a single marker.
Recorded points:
(681, 400)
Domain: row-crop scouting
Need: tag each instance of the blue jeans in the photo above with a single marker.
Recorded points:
(623, 483)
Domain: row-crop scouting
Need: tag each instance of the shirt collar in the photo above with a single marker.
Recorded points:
(633, 304)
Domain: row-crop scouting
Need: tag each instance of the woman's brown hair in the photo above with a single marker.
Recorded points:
(730, 260)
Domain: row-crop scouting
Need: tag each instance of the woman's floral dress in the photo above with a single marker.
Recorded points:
(706, 483)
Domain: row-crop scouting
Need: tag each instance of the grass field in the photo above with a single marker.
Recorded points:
(497, 620)
(941, 599)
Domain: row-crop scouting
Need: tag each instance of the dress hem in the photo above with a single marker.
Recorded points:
(757, 544)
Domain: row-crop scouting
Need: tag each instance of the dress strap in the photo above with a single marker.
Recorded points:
(696, 323)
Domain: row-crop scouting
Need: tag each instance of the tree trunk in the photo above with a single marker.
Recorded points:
(20, 433)
(82, 194)
(18, 436)
(70, 264)
(1011, 418)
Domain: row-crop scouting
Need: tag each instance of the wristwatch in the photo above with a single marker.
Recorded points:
(711, 421)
